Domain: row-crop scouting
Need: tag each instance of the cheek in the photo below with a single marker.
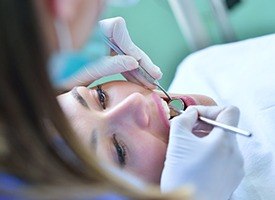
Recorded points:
(80, 120)
(77, 117)
(150, 157)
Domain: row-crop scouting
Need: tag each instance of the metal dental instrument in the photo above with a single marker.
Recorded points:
(152, 80)
(224, 126)
(141, 70)
(227, 127)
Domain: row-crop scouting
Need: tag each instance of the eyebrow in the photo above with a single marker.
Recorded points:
(79, 98)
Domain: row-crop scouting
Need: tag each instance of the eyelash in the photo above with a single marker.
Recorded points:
(101, 97)
(121, 151)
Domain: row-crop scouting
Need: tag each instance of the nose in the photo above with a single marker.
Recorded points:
(133, 109)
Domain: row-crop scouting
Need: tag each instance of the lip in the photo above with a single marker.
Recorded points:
(161, 110)
(188, 101)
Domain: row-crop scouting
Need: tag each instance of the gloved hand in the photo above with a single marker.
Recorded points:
(212, 164)
(115, 29)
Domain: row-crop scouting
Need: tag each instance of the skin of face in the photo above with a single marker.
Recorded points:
(79, 16)
(132, 132)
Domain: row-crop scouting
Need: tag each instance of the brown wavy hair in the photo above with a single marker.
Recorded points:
(31, 121)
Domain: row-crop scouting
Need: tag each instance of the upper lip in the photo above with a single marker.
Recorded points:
(188, 101)
(161, 110)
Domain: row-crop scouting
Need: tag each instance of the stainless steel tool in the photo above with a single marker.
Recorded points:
(179, 110)
(172, 101)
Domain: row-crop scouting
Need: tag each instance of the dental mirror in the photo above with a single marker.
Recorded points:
(176, 105)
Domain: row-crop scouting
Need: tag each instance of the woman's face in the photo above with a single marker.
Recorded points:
(126, 124)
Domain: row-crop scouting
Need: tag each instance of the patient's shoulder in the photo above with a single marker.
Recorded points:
(252, 54)
(267, 41)
(259, 46)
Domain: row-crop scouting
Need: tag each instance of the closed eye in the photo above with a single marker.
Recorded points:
(121, 151)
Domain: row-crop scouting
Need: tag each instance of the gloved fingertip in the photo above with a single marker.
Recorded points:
(130, 63)
(158, 73)
(158, 70)
(234, 109)
(191, 110)
(230, 115)
(187, 119)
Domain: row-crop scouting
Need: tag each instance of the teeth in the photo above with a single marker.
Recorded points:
(166, 108)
